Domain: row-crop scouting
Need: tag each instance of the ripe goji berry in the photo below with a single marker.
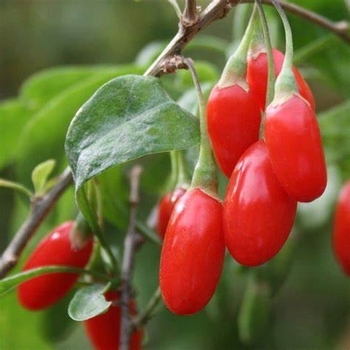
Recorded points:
(55, 249)
(165, 208)
(258, 213)
(257, 71)
(294, 143)
(233, 119)
(193, 252)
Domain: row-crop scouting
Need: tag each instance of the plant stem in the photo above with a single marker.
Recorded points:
(174, 169)
(190, 15)
(217, 10)
(131, 243)
(143, 317)
(288, 59)
(271, 65)
(100, 236)
(182, 177)
(341, 29)
(16, 186)
(285, 83)
(205, 175)
(39, 210)
(235, 69)
(176, 7)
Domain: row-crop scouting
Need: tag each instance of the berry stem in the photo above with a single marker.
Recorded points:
(271, 65)
(174, 169)
(142, 318)
(205, 172)
(182, 176)
(285, 83)
(132, 242)
(235, 69)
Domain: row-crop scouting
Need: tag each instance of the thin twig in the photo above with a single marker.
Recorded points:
(190, 16)
(141, 319)
(176, 7)
(131, 243)
(39, 210)
(218, 9)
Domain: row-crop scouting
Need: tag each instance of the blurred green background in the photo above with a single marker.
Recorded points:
(311, 310)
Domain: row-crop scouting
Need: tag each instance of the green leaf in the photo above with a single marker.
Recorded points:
(88, 302)
(45, 85)
(40, 175)
(127, 118)
(43, 138)
(13, 118)
(9, 283)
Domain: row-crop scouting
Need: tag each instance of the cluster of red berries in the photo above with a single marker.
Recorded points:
(269, 173)
(268, 176)
(59, 248)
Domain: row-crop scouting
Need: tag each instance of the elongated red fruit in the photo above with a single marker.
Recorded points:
(233, 119)
(294, 143)
(258, 213)
(257, 76)
(193, 253)
(166, 207)
(104, 330)
(341, 229)
(55, 249)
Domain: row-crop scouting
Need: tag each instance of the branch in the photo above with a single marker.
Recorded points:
(215, 10)
(218, 9)
(39, 210)
(131, 243)
(341, 29)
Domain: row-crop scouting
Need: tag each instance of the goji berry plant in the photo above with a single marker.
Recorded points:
(182, 198)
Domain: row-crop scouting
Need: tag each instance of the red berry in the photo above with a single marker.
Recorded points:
(165, 208)
(55, 249)
(104, 330)
(193, 253)
(233, 118)
(257, 77)
(258, 213)
(341, 229)
(294, 143)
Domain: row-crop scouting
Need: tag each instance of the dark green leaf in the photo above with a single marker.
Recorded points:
(43, 138)
(129, 117)
(88, 302)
